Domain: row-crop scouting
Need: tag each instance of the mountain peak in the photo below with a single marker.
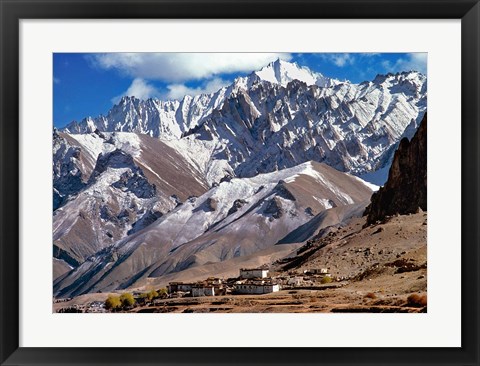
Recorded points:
(279, 62)
(128, 100)
(282, 72)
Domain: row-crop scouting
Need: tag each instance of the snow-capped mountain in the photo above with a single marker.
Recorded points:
(115, 194)
(156, 187)
(234, 219)
(278, 117)
(166, 119)
(269, 127)
(282, 72)
(170, 119)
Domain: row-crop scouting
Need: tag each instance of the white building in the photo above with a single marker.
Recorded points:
(323, 271)
(254, 273)
(214, 281)
(256, 288)
(179, 287)
(198, 291)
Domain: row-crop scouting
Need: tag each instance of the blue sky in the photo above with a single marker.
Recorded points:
(90, 84)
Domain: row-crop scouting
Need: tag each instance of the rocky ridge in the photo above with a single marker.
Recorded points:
(279, 117)
(405, 191)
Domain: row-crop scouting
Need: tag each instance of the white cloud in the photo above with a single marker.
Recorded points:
(181, 67)
(416, 61)
(340, 59)
(343, 59)
(140, 89)
(387, 65)
(413, 61)
(370, 54)
(178, 91)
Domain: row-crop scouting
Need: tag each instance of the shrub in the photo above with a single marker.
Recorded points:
(326, 279)
(152, 295)
(417, 300)
(127, 300)
(371, 295)
(162, 292)
(113, 302)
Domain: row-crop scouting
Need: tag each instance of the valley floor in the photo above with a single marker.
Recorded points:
(380, 268)
(350, 298)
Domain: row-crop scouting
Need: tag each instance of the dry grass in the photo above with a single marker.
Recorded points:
(326, 279)
(417, 300)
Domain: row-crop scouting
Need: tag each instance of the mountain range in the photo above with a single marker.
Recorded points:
(158, 187)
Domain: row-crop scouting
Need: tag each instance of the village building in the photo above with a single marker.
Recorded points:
(295, 281)
(96, 307)
(256, 287)
(203, 290)
(317, 271)
(210, 287)
(214, 281)
(55, 301)
(179, 287)
(254, 273)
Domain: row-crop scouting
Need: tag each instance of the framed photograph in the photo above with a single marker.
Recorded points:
(239, 182)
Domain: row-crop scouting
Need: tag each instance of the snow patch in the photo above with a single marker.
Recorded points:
(326, 203)
(372, 186)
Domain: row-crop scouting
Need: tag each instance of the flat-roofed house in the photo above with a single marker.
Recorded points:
(254, 273)
(203, 290)
(179, 287)
(257, 287)
(318, 271)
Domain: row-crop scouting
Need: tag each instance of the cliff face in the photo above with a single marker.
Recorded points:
(406, 188)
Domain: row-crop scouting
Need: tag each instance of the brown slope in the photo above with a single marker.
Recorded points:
(168, 170)
(86, 157)
(161, 164)
(89, 223)
(180, 240)
(60, 267)
(375, 265)
(330, 219)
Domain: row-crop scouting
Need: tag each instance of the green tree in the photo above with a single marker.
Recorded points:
(113, 302)
(127, 300)
(152, 295)
(326, 279)
(162, 292)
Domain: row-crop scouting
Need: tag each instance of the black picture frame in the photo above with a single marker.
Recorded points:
(13, 10)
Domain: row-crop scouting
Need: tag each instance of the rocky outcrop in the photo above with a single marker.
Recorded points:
(116, 159)
(149, 218)
(281, 190)
(211, 204)
(406, 188)
(68, 174)
(136, 183)
(133, 180)
(237, 205)
(274, 208)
